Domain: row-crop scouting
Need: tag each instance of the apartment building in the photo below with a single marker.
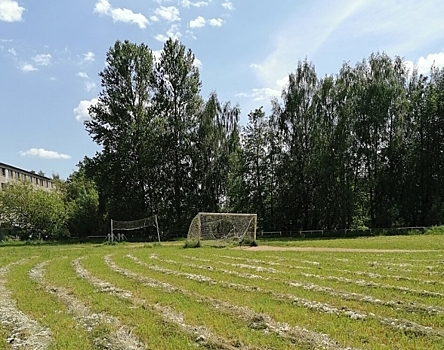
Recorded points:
(9, 173)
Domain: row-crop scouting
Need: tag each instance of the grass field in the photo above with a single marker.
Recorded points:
(372, 293)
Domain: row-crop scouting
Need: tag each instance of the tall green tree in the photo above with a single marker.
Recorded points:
(217, 140)
(122, 122)
(82, 206)
(256, 148)
(378, 126)
(297, 123)
(177, 104)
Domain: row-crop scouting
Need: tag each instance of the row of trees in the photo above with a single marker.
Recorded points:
(359, 148)
(362, 148)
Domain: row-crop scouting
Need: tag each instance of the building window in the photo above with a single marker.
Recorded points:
(3, 186)
(3, 172)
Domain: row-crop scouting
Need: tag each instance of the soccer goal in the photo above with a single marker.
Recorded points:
(232, 227)
(131, 225)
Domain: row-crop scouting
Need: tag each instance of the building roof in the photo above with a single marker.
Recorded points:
(3, 165)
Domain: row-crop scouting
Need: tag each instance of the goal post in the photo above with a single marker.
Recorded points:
(235, 227)
(134, 225)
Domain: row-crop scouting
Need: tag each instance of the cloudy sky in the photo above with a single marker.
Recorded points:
(52, 51)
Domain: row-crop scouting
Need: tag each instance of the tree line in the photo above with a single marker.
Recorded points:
(361, 148)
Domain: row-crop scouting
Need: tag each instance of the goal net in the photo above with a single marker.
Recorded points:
(223, 227)
(134, 225)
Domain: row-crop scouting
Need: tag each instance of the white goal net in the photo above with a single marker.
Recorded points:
(134, 225)
(223, 226)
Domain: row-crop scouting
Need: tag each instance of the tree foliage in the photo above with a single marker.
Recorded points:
(35, 213)
(359, 148)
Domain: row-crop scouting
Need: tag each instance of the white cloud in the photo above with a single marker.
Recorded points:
(199, 22)
(42, 59)
(90, 85)
(281, 83)
(81, 111)
(197, 62)
(289, 48)
(169, 14)
(190, 34)
(399, 27)
(12, 51)
(161, 37)
(216, 22)
(260, 94)
(157, 54)
(424, 64)
(82, 75)
(27, 67)
(228, 5)
(10, 11)
(255, 66)
(172, 33)
(188, 3)
(103, 7)
(43, 153)
(89, 57)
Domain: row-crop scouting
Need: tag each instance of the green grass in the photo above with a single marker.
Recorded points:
(233, 293)
(39, 305)
(432, 240)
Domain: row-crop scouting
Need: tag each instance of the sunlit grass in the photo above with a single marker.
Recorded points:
(290, 287)
(434, 240)
(39, 305)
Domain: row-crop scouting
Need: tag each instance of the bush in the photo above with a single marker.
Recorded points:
(248, 241)
(192, 244)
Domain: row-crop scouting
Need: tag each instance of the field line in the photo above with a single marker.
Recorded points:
(394, 277)
(361, 283)
(122, 338)
(26, 333)
(410, 307)
(398, 324)
(359, 273)
(397, 305)
(168, 314)
(254, 319)
(364, 283)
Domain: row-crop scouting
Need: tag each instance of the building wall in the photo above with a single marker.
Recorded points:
(10, 173)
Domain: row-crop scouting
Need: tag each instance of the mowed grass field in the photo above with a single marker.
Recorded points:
(368, 293)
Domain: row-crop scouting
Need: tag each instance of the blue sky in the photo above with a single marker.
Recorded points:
(52, 51)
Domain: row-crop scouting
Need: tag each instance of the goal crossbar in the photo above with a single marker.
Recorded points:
(223, 226)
